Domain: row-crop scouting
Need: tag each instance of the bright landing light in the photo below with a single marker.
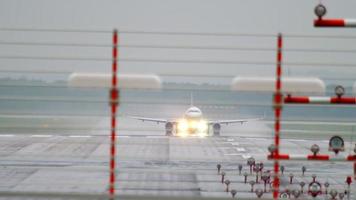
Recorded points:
(194, 127)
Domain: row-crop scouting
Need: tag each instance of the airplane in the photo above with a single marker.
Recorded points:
(192, 123)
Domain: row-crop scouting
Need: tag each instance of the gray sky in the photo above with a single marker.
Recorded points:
(239, 16)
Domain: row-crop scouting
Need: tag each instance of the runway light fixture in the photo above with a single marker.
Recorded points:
(304, 169)
(259, 192)
(314, 189)
(233, 193)
(336, 144)
(240, 169)
(315, 149)
(272, 148)
(296, 193)
(252, 183)
(302, 184)
(333, 193)
(183, 125)
(339, 91)
(320, 10)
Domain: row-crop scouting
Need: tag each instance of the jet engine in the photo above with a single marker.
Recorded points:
(169, 128)
(216, 129)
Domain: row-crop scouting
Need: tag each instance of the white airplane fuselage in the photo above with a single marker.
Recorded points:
(192, 123)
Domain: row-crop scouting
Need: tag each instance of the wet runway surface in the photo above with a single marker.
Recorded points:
(153, 164)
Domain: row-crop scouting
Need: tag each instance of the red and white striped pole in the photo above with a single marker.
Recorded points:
(319, 100)
(114, 101)
(277, 110)
(350, 158)
(334, 23)
(320, 11)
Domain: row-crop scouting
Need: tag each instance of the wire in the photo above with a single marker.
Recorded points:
(223, 34)
(225, 48)
(160, 74)
(263, 63)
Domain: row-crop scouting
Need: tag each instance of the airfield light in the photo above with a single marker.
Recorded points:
(302, 184)
(202, 126)
(233, 193)
(304, 169)
(326, 185)
(183, 125)
(245, 179)
(336, 144)
(314, 189)
(282, 169)
(315, 149)
(240, 169)
(223, 177)
(193, 124)
(227, 183)
(252, 183)
(320, 10)
(296, 193)
(339, 91)
(219, 167)
(259, 192)
(333, 193)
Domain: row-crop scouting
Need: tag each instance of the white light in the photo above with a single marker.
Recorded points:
(183, 125)
(202, 126)
(193, 124)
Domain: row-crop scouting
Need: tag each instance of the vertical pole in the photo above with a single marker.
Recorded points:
(277, 111)
(114, 100)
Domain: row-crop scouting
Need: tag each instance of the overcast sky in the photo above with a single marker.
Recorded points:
(230, 16)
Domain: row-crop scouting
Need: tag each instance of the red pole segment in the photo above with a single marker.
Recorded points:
(277, 108)
(114, 101)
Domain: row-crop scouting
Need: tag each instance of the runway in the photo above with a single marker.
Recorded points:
(151, 164)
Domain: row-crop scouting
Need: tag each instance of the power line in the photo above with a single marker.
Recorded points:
(192, 47)
(173, 61)
(178, 33)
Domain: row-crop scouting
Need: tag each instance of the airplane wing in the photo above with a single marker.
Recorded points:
(232, 121)
(151, 119)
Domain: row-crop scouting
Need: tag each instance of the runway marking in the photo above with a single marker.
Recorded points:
(122, 136)
(234, 143)
(241, 149)
(6, 135)
(154, 136)
(80, 136)
(232, 154)
(246, 156)
(230, 139)
(39, 136)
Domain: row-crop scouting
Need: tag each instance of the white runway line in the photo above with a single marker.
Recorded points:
(234, 143)
(80, 136)
(241, 149)
(158, 136)
(230, 139)
(41, 136)
(6, 135)
(246, 156)
(122, 136)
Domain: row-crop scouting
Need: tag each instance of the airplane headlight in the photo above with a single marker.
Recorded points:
(203, 126)
(194, 125)
(183, 125)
